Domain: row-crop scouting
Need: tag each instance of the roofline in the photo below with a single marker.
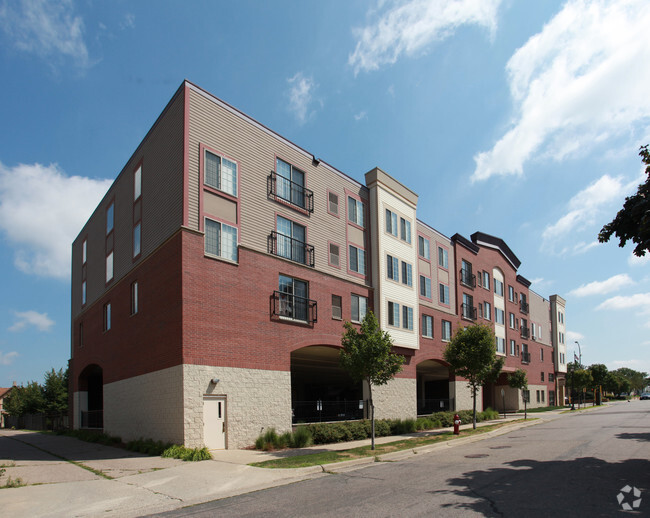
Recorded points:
(496, 243)
(432, 229)
(522, 280)
(457, 238)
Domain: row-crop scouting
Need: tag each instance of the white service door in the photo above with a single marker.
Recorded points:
(214, 422)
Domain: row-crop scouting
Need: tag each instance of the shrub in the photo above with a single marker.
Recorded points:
(301, 438)
(402, 426)
(147, 446)
(488, 414)
(186, 454)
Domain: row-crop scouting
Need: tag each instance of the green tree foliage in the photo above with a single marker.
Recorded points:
(34, 398)
(471, 354)
(55, 391)
(519, 380)
(633, 221)
(367, 356)
(636, 379)
(599, 374)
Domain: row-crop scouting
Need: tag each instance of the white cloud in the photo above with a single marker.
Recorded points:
(583, 210)
(601, 287)
(412, 26)
(575, 84)
(128, 22)
(639, 303)
(31, 318)
(637, 365)
(42, 225)
(572, 336)
(300, 95)
(634, 260)
(48, 29)
(8, 358)
(361, 115)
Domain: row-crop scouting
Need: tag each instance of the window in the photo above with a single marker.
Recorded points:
(513, 347)
(537, 391)
(543, 395)
(291, 240)
(539, 331)
(551, 377)
(220, 240)
(446, 331)
(334, 255)
(137, 239)
(525, 394)
(512, 320)
(425, 286)
(221, 174)
(479, 279)
(337, 311)
(293, 298)
(469, 311)
(480, 309)
(487, 311)
(134, 298)
(532, 330)
(392, 268)
(424, 247)
(357, 260)
(466, 276)
(355, 212)
(561, 338)
(407, 274)
(290, 186)
(541, 354)
(444, 294)
(405, 230)
(427, 326)
(501, 345)
(83, 292)
(81, 334)
(499, 316)
(486, 280)
(109, 266)
(393, 314)
(391, 222)
(407, 318)
(359, 306)
(542, 376)
(333, 203)
(84, 251)
(498, 287)
(110, 218)
(443, 257)
(511, 294)
(107, 317)
(137, 183)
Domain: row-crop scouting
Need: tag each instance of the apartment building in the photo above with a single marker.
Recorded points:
(210, 285)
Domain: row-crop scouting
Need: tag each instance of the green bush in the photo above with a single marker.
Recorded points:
(402, 426)
(489, 414)
(301, 438)
(186, 454)
(147, 446)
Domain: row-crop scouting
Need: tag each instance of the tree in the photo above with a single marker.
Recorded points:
(581, 379)
(471, 354)
(55, 391)
(633, 221)
(25, 400)
(519, 380)
(599, 374)
(636, 379)
(367, 356)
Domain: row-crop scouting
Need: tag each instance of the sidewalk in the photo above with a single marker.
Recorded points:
(71, 473)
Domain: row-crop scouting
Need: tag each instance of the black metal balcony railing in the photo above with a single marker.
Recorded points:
(429, 406)
(468, 311)
(525, 332)
(525, 357)
(286, 305)
(282, 188)
(467, 278)
(290, 248)
(92, 419)
(317, 411)
(523, 306)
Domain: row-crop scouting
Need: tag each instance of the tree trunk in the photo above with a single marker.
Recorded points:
(372, 417)
(474, 391)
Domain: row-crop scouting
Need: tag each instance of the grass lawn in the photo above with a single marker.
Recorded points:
(315, 459)
(541, 409)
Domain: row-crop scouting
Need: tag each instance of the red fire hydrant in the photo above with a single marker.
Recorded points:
(456, 424)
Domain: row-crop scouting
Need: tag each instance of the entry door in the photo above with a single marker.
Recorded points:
(214, 422)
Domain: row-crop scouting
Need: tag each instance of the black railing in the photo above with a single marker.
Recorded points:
(468, 311)
(92, 419)
(284, 189)
(290, 248)
(317, 411)
(523, 306)
(525, 331)
(287, 305)
(429, 406)
(525, 357)
(467, 278)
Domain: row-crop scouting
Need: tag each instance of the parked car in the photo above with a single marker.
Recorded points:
(645, 395)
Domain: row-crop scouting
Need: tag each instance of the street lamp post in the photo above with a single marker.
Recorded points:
(574, 368)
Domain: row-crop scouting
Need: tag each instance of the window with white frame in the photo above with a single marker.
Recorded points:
(407, 318)
(392, 268)
(337, 310)
(359, 308)
(486, 280)
(427, 326)
(511, 294)
(513, 347)
(291, 239)
(393, 314)
(110, 218)
(443, 257)
(391, 222)
(487, 311)
(84, 251)
(293, 298)
(221, 174)
(334, 254)
(107, 317)
(499, 316)
(290, 183)
(444, 294)
(532, 330)
(220, 240)
(425, 286)
(137, 239)
(407, 274)
(446, 331)
(405, 230)
(137, 183)
(512, 320)
(333, 203)
(83, 292)
(357, 258)
(424, 247)
(498, 287)
(109, 266)
(501, 345)
(355, 212)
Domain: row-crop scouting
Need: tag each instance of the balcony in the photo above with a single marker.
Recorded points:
(525, 357)
(467, 278)
(468, 312)
(290, 248)
(287, 306)
(523, 307)
(525, 332)
(284, 190)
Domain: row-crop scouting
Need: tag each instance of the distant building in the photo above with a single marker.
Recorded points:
(4, 393)
(210, 286)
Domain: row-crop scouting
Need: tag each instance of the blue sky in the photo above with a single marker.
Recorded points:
(519, 119)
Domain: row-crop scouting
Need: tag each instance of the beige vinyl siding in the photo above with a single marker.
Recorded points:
(539, 314)
(255, 151)
(438, 275)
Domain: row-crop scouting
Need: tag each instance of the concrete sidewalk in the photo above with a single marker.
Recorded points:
(71, 473)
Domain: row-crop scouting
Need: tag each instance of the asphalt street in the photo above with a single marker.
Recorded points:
(581, 464)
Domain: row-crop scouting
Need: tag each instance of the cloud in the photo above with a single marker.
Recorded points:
(639, 302)
(572, 336)
(8, 358)
(128, 22)
(413, 26)
(361, 115)
(42, 226)
(575, 84)
(300, 95)
(602, 287)
(47, 29)
(634, 260)
(31, 318)
(583, 210)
